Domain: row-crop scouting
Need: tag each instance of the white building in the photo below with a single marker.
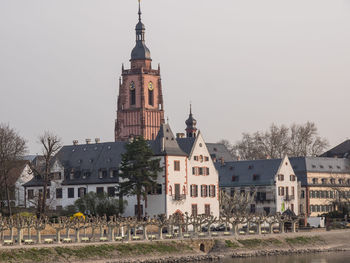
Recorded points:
(188, 182)
(274, 182)
(19, 174)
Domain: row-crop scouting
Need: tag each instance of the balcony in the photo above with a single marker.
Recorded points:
(179, 197)
(288, 197)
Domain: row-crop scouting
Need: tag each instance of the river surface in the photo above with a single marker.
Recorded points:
(333, 257)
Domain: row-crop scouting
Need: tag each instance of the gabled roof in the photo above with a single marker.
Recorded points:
(15, 172)
(186, 144)
(245, 170)
(341, 151)
(166, 143)
(219, 151)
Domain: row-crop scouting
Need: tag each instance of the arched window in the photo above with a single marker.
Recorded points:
(132, 94)
(150, 94)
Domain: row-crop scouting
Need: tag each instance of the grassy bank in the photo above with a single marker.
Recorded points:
(90, 252)
(252, 243)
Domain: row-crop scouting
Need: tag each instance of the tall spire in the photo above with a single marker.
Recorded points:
(140, 51)
(140, 10)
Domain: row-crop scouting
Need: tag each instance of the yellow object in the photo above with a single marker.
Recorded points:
(79, 215)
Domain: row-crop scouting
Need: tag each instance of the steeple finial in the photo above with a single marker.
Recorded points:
(140, 10)
(190, 108)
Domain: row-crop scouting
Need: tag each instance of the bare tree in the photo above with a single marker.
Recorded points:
(51, 144)
(278, 141)
(304, 140)
(12, 148)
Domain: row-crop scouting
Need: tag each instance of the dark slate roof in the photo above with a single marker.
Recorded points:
(218, 151)
(106, 156)
(166, 143)
(265, 169)
(89, 158)
(341, 151)
(186, 144)
(304, 165)
(140, 52)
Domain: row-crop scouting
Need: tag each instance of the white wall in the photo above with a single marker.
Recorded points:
(286, 169)
(211, 179)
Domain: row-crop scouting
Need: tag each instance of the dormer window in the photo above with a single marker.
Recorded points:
(256, 177)
(314, 180)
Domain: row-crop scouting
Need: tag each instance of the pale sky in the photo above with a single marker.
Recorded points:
(244, 64)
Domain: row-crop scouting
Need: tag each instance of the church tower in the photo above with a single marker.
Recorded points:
(140, 101)
(191, 130)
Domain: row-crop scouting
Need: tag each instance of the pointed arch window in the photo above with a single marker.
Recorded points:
(150, 94)
(132, 93)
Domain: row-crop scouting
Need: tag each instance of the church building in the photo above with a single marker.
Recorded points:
(140, 101)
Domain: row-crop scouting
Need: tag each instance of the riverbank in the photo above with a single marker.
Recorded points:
(182, 250)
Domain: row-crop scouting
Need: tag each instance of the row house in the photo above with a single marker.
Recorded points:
(273, 181)
(325, 183)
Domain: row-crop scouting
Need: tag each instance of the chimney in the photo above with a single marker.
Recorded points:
(88, 141)
(97, 140)
(75, 142)
(180, 135)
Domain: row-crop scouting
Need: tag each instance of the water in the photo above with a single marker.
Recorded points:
(334, 257)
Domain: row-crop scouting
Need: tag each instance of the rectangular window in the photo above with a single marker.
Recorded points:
(194, 190)
(252, 208)
(70, 192)
(47, 193)
(99, 190)
(59, 193)
(235, 178)
(256, 177)
(194, 210)
(177, 191)
(176, 165)
(292, 193)
(207, 210)
(81, 192)
(292, 177)
(204, 191)
(207, 171)
(201, 170)
(213, 191)
(195, 158)
(30, 194)
(206, 158)
(281, 191)
(159, 189)
(111, 191)
(194, 171)
(280, 177)
(292, 207)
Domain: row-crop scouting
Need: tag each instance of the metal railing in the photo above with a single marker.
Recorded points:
(179, 197)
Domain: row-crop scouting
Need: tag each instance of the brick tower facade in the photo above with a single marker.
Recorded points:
(140, 101)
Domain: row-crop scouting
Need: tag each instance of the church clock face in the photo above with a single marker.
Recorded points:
(150, 86)
(132, 86)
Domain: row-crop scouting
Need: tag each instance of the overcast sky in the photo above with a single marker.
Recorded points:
(244, 64)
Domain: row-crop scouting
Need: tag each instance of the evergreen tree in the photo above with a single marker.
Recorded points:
(139, 171)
